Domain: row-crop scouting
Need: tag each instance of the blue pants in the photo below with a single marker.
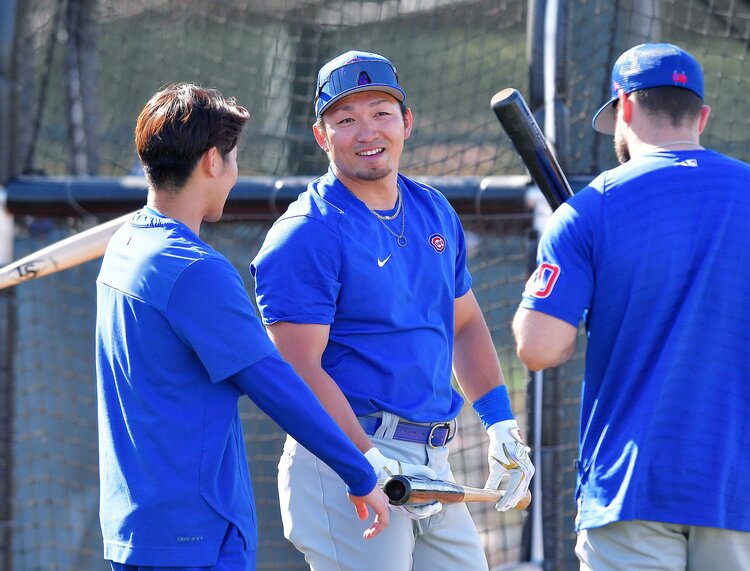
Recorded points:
(232, 557)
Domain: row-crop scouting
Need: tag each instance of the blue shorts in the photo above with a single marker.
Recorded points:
(232, 557)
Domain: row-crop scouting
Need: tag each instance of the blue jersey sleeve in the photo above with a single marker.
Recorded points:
(297, 272)
(211, 312)
(562, 284)
(463, 277)
(278, 391)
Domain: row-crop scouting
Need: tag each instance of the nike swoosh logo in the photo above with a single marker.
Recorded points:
(382, 263)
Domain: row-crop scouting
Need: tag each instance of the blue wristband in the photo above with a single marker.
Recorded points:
(494, 406)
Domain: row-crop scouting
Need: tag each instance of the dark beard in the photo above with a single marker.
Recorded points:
(373, 174)
(621, 150)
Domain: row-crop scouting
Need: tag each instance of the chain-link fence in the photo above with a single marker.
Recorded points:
(73, 77)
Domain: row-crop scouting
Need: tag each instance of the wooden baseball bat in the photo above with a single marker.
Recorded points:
(403, 490)
(71, 251)
(529, 141)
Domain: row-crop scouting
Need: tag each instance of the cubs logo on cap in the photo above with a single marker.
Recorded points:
(646, 66)
(353, 72)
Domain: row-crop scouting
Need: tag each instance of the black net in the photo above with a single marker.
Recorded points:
(55, 515)
(87, 67)
(715, 32)
(82, 70)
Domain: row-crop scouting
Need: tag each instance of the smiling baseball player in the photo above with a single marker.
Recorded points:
(364, 288)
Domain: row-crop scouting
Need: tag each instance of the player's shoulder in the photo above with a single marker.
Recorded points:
(421, 188)
(188, 254)
(311, 221)
(170, 240)
(313, 208)
(615, 180)
(428, 195)
(589, 197)
(726, 161)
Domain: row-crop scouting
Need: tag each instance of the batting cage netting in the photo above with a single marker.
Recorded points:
(75, 73)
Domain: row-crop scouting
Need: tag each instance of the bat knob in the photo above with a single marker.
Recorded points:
(398, 490)
(524, 502)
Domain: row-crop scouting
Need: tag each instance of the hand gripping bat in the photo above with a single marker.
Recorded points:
(403, 490)
(529, 141)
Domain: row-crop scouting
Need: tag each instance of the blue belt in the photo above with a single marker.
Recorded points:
(434, 435)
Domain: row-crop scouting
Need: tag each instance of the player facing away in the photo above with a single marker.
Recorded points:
(363, 287)
(178, 342)
(654, 256)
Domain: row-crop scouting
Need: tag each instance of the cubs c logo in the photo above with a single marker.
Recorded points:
(543, 280)
(679, 77)
(437, 242)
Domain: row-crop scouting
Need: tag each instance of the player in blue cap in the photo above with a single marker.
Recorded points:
(654, 257)
(363, 287)
(178, 343)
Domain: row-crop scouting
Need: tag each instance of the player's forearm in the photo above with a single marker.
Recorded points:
(475, 362)
(542, 341)
(302, 346)
(333, 400)
(279, 392)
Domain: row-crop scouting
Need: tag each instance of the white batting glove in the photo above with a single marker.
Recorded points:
(509, 460)
(386, 467)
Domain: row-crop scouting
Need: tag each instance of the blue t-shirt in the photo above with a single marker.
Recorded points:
(655, 256)
(328, 260)
(177, 344)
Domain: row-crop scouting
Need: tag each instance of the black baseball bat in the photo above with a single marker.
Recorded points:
(529, 141)
(404, 490)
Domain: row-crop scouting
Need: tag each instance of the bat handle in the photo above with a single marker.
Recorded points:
(485, 495)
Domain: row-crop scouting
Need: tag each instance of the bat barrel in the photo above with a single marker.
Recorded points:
(514, 114)
(398, 490)
(524, 132)
(402, 490)
(409, 490)
(71, 251)
(508, 96)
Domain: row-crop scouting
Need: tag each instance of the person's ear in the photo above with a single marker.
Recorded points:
(408, 122)
(212, 162)
(626, 105)
(705, 112)
(320, 137)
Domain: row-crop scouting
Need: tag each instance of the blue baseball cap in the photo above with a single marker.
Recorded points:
(645, 66)
(353, 72)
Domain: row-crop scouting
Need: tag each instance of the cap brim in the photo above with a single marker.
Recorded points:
(604, 120)
(389, 89)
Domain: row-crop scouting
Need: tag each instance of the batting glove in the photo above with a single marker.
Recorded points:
(509, 460)
(386, 467)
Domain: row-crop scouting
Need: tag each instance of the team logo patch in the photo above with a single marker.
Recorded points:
(363, 78)
(688, 163)
(438, 242)
(543, 280)
(679, 77)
